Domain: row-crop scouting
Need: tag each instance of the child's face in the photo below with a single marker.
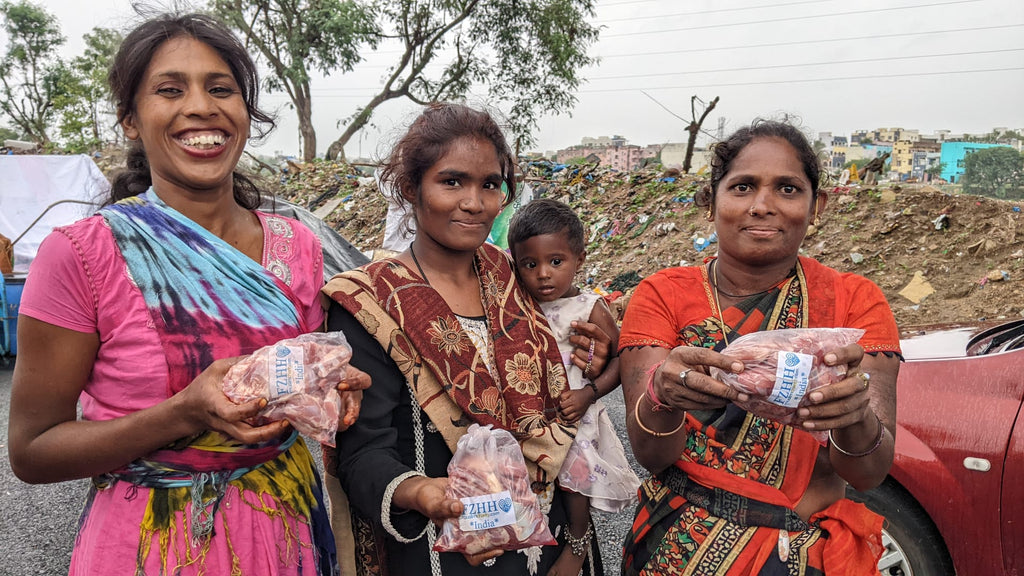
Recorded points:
(547, 265)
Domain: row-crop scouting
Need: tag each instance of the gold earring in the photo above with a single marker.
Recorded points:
(709, 215)
(816, 218)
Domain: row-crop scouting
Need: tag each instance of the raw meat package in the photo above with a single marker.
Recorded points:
(781, 367)
(298, 377)
(488, 474)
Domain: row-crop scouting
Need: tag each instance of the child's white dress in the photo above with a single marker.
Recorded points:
(596, 464)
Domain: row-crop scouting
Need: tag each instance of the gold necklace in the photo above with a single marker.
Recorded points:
(718, 305)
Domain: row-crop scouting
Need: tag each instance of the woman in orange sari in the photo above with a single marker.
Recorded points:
(732, 493)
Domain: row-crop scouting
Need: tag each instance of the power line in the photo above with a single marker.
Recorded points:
(826, 63)
(792, 18)
(714, 11)
(794, 81)
(823, 40)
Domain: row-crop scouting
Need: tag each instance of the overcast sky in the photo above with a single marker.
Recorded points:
(838, 65)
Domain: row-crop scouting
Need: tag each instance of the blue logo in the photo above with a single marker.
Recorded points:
(792, 360)
(505, 504)
(283, 351)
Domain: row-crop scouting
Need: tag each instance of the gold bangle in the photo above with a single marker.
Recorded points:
(875, 445)
(655, 433)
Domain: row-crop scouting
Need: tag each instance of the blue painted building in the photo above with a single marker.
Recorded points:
(953, 154)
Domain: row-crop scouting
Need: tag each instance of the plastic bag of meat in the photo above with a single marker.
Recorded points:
(781, 367)
(488, 474)
(298, 377)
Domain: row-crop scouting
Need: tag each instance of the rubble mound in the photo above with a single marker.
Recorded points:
(954, 257)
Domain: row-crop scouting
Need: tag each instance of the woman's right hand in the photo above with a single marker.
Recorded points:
(698, 390)
(209, 409)
(427, 496)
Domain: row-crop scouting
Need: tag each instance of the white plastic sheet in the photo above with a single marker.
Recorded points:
(28, 184)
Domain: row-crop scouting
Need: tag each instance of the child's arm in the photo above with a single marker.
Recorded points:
(609, 377)
(574, 403)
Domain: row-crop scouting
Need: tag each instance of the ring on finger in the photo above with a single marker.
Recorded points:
(489, 562)
(683, 375)
(590, 360)
(865, 377)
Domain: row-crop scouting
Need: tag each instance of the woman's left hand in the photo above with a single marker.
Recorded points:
(351, 390)
(844, 403)
(593, 348)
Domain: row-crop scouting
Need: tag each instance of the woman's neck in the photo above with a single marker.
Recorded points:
(735, 279)
(442, 265)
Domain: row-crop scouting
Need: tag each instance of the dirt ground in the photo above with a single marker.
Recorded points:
(969, 249)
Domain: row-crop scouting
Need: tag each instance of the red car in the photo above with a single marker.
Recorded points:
(954, 500)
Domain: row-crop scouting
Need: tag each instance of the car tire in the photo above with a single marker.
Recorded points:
(913, 545)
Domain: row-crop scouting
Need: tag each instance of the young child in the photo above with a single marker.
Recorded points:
(546, 241)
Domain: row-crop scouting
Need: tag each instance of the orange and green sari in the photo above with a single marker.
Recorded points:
(727, 503)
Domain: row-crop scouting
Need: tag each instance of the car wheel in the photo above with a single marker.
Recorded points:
(913, 545)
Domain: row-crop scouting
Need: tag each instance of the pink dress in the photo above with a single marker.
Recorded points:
(79, 281)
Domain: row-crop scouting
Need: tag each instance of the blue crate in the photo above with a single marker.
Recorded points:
(10, 298)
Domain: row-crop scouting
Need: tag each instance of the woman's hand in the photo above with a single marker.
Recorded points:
(209, 409)
(682, 381)
(573, 404)
(593, 348)
(427, 496)
(845, 403)
(351, 390)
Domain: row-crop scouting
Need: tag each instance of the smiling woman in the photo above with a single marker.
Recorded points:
(139, 311)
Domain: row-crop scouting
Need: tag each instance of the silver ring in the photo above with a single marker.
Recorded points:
(683, 375)
(490, 562)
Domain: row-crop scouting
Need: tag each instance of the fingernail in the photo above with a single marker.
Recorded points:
(816, 396)
(343, 386)
(262, 403)
(742, 397)
(808, 424)
(803, 412)
(737, 367)
(830, 359)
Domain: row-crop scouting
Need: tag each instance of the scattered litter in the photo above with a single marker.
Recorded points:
(918, 289)
(941, 222)
(856, 257)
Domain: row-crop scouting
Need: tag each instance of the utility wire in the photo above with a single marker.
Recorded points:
(792, 18)
(825, 63)
(798, 42)
(794, 81)
(714, 11)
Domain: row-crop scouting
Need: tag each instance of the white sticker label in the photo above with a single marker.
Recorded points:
(488, 511)
(791, 379)
(287, 369)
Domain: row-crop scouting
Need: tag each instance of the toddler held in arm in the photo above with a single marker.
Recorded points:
(547, 245)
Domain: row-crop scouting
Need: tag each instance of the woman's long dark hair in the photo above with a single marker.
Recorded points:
(129, 68)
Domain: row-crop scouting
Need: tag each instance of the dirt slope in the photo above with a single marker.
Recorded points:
(969, 249)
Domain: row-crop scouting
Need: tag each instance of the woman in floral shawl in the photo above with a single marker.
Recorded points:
(449, 339)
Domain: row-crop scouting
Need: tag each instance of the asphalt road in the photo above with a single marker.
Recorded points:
(38, 523)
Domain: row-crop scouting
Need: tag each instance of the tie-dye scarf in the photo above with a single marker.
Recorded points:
(207, 301)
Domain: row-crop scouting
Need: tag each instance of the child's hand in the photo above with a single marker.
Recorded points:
(572, 404)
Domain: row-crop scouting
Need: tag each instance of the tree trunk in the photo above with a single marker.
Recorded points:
(304, 109)
(694, 129)
(336, 151)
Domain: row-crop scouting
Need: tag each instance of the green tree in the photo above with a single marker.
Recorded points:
(30, 72)
(296, 36)
(996, 172)
(8, 134)
(936, 170)
(83, 119)
(528, 53)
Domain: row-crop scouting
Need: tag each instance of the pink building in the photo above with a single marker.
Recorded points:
(613, 152)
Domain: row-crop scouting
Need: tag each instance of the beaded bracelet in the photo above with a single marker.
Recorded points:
(657, 405)
(878, 442)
